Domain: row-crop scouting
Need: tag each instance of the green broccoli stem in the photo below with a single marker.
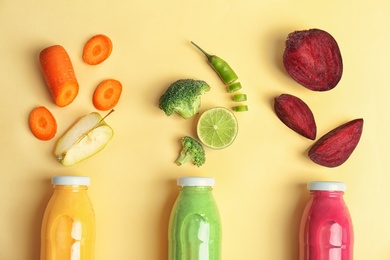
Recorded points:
(186, 113)
(183, 158)
(189, 110)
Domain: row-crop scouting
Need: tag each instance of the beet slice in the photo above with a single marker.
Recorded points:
(313, 59)
(335, 147)
(296, 114)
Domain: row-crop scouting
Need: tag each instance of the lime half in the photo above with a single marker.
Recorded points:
(217, 128)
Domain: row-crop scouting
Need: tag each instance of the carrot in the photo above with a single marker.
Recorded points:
(97, 49)
(42, 123)
(59, 74)
(107, 94)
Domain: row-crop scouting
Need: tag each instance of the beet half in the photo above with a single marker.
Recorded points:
(313, 59)
(335, 147)
(296, 114)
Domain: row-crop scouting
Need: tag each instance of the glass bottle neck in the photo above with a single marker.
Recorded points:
(196, 189)
(70, 188)
(326, 193)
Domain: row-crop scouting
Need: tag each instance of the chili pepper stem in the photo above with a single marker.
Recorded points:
(208, 56)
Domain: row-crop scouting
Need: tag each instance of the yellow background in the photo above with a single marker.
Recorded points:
(260, 179)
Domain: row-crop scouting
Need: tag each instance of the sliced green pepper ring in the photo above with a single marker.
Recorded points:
(240, 97)
(234, 87)
(240, 108)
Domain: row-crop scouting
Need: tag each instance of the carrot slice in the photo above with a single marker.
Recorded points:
(97, 49)
(107, 94)
(59, 74)
(42, 123)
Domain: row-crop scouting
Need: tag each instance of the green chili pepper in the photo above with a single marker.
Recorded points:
(225, 72)
(234, 87)
(239, 97)
(240, 108)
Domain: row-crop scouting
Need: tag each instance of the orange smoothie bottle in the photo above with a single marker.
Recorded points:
(68, 228)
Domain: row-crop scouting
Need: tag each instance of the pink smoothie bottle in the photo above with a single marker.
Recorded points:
(326, 231)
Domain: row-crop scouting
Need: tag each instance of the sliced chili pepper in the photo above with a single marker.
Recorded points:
(240, 108)
(239, 97)
(234, 87)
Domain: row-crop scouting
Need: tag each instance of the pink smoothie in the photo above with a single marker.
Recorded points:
(326, 231)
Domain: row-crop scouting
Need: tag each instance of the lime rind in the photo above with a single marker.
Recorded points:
(217, 128)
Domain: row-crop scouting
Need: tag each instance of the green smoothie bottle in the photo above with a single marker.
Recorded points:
(195, 225)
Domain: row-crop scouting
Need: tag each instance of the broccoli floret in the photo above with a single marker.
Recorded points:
(183, 97)
(192, 151)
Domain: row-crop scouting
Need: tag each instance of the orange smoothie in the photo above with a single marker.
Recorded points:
(68, 228)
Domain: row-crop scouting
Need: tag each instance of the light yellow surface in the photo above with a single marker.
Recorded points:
(260, 179)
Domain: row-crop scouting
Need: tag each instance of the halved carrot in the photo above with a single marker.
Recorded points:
(42, 123)
(107, 94)
(59, 74)
(97, 49)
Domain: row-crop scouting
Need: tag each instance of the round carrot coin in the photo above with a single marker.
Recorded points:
(42, 123)
(107, 94)
(97, 49)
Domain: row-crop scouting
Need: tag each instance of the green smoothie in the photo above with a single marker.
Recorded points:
(195, 226)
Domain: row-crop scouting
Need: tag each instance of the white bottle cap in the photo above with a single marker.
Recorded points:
(195, 181)
(327, 185)
(71, 180)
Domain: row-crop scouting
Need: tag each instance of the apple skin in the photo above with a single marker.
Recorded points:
(88, 136)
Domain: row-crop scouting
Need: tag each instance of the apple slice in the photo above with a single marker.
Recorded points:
(89, 135)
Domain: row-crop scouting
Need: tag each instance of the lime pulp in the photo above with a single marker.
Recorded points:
(217, 128)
